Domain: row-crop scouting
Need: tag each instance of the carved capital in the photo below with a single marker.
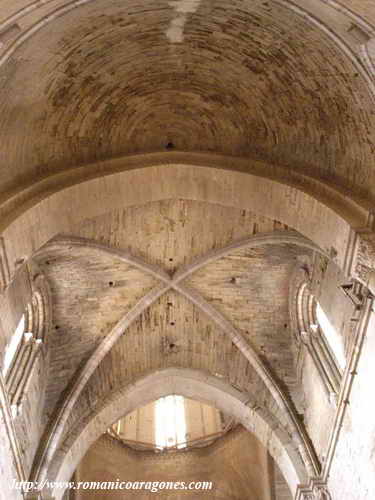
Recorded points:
(316, 490)
(364, 259)
(321, 492)
(304, 493)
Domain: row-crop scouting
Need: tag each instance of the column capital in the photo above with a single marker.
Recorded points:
(363, 259)
(317, 489)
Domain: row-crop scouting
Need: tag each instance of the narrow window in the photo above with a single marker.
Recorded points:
(332, 337)
(13, 345)
(170, 422)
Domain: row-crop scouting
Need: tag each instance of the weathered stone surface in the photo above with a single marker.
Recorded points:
(238, 458)
(244, 65)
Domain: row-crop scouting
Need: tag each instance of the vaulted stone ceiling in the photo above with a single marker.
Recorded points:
(243, 78)
(87, 81)
(93, 289)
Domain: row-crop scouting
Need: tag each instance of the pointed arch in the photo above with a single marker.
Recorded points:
(191, 384)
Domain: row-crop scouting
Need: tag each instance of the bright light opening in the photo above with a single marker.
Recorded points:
(332, 337)
(170, 422)
(12, 347)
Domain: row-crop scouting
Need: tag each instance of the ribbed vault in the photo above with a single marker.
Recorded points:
(219, 305)
(158, 160)
(249, 285)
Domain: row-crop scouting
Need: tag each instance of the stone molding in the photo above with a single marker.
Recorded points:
(10, 432)
(295, 208)
(4, 266)
(353, 210)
